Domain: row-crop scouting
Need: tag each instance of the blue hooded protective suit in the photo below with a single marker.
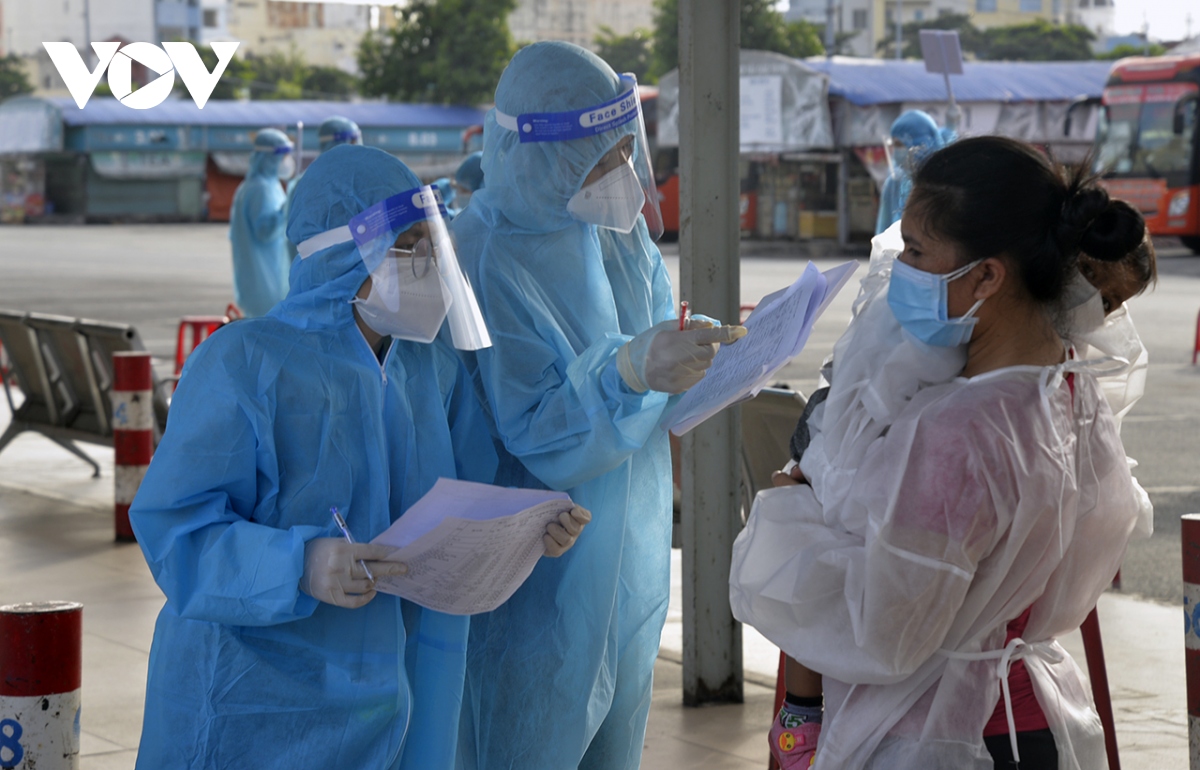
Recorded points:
(275, 420)
(470, 172)
(559, 677)
(257, 220)
(332, 132)
(916, 137)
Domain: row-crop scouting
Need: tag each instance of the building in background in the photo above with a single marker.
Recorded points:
(173, 162)
(577, 21)
(871, 21)
(327, 34)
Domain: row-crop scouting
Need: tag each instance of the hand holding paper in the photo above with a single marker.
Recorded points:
(562, 534)
(776, 333)
(468, 547)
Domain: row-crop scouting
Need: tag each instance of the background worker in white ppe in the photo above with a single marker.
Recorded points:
(257, 218)
(332, 132)
(987, 519)
(586, 352)
(274, 649)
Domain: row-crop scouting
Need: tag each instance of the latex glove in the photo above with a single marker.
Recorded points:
(562, 533)
(333, 574)
(665, 359)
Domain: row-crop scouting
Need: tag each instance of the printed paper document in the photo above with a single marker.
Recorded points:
(777, 331)
(469, 546)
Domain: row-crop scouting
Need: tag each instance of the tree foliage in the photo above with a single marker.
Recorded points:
(626, 53)
(278, 76)
(1039, 41)
(13, 80)
(762, 29)
(1125, 49)
(1032, 41)
(969, 36)
(440, 51)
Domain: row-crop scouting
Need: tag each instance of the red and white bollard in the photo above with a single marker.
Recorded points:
(133, 430)
(41, 665)
(1191, 623)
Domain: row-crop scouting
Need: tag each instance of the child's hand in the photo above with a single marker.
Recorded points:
(784, 479)
(562, 533)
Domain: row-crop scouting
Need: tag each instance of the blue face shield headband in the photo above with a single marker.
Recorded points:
(918, 300)
(374, 232)
(592, 122)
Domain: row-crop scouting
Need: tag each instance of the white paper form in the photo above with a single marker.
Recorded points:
(776, 333)
(469, 546)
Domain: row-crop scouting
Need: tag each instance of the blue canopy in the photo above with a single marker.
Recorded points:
(101, 110)
(867, 82)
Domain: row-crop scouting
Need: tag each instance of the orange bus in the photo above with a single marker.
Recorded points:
(1147, 146)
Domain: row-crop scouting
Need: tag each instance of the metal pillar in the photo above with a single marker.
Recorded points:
(709, 273)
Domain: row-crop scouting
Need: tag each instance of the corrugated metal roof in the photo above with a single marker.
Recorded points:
(102, 110)
(886, 81)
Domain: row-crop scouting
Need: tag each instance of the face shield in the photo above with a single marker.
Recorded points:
(416, 281)
(899, 158)
(622, 183)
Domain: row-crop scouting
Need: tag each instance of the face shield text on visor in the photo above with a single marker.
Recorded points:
(414, 286)
(627, 189)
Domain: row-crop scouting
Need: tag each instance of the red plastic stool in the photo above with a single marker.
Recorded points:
(194, 329)
(1196, 346)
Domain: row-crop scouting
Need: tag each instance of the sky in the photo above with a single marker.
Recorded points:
(1167, 18)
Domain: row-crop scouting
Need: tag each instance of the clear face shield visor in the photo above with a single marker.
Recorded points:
(902, 158)
(416, 280)
(287, 164)
(627, 164)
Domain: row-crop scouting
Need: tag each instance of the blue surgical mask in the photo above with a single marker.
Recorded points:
(918, 299)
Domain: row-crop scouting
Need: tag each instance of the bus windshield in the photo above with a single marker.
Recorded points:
(1136, 135)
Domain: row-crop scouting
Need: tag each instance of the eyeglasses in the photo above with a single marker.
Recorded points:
(421, 256)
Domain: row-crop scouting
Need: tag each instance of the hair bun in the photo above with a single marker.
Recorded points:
(1094, 224)
(1117, 230)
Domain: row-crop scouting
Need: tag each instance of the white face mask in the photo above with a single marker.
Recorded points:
(403, 303)
(287, 167)
(613, 201)
(1083, 308)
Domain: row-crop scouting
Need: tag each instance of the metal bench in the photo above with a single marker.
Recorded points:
(63, 368)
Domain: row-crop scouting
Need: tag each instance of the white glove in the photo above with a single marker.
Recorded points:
(665, 359)
(334, 574)
(562, 533)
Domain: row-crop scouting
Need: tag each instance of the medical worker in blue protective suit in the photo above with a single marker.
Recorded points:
(914, 137)
(256, 223)
(467, 179)
(446, 189)
(331, 133)
(273, 650)
(586, 352)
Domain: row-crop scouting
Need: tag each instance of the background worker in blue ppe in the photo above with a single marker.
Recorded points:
(332, 132)
(468, 178)
(586, 352)
(256, 226)
(273, 649)
(914, 137)
(446, 189)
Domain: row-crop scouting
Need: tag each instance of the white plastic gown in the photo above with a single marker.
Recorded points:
(986, 496)
(560, 675)
(275, 420)
(877, 368)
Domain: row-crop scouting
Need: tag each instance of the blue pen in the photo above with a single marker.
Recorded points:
(341, 524)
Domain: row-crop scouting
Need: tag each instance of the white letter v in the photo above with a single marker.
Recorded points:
(75, 73)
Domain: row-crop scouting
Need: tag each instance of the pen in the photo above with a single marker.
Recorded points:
(341, 524)
(683, 314)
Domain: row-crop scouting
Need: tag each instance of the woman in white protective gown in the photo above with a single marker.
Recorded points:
(976, 517)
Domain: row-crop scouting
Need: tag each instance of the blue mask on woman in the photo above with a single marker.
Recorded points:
(918, 300)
